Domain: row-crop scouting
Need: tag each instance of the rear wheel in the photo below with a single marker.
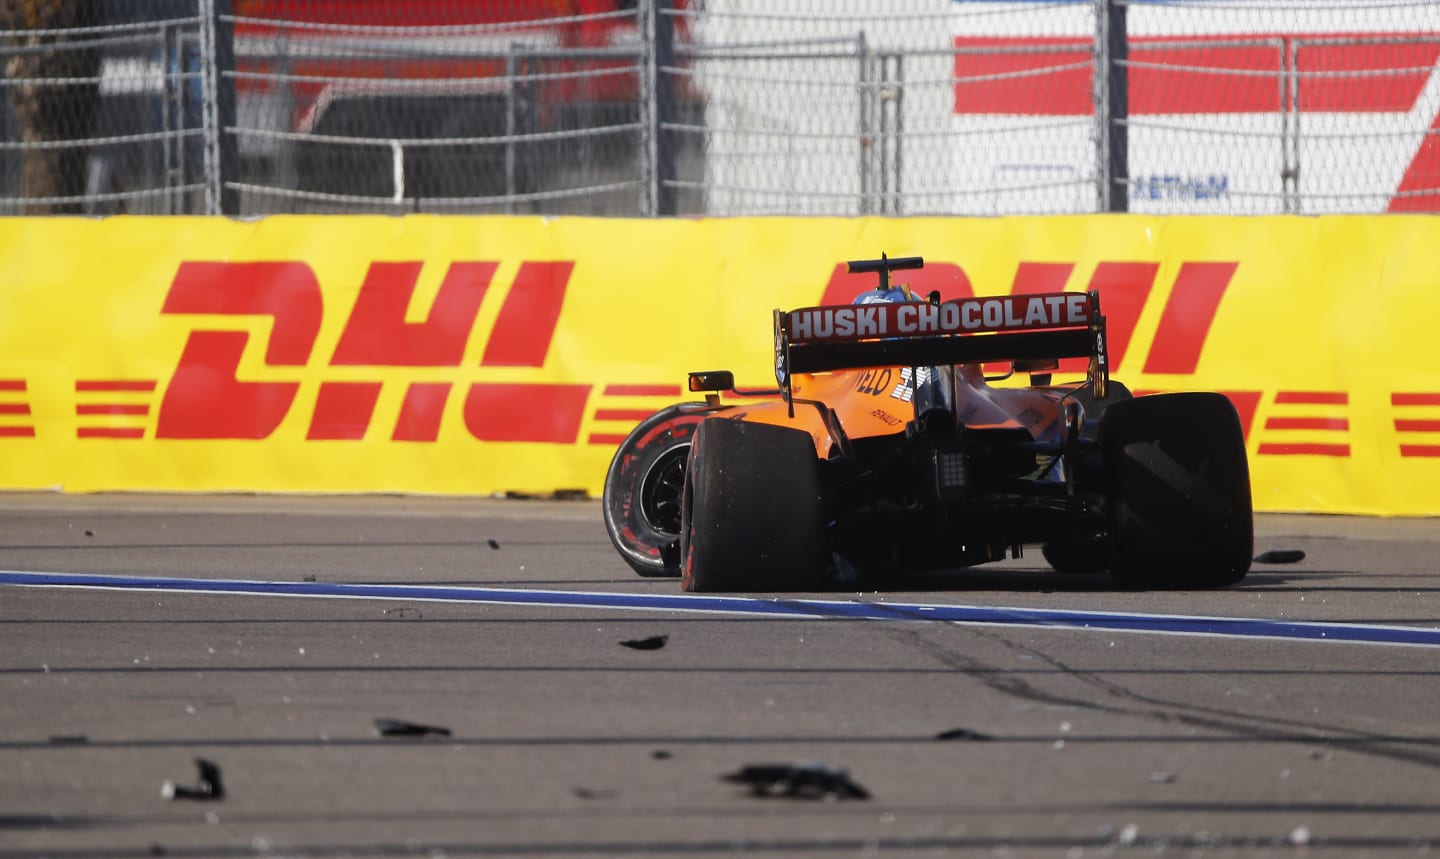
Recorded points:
(753, 510)
(644, 485)
(1179, 488)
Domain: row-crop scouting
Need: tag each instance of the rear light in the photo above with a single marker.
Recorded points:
(951, 474)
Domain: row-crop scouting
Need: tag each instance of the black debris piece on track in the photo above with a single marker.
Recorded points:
(1280, 556)
(654, 642)
(962, 734)
(402, 728)
(797, 781)
(209, 787)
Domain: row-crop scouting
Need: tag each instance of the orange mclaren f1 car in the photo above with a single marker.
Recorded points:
(887, 448)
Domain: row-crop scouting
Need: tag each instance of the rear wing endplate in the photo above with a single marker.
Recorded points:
(961, 331)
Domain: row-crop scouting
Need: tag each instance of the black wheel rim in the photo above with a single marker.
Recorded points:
(661, 490)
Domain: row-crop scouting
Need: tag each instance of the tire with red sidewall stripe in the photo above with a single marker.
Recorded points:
(644, 485)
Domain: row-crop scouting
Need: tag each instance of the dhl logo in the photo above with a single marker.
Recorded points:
(205, 397)
(206, 400)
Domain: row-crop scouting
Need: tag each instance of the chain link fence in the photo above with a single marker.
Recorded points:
(441, 107)
(102, 111)
(1283, 107)
(719, 107)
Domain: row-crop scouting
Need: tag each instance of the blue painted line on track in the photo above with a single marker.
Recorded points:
(1238, 627)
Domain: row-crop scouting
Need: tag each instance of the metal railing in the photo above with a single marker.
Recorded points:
(888, 107)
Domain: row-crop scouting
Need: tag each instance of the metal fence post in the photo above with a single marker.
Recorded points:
(865, 116)
(1290, 127)
(663, 52)
(892, 130)
(217, 44)
(512, 68)
(1112, 107)
(649, 112)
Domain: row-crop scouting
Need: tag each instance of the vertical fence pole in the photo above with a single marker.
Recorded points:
(1112, 107)
(229, 162)
(894, 116)
(1290, 127)
(217, 44)
(512, 67)
(665, 108)
(209, 114)
(172, 119)
(649, 112)
(867, 108)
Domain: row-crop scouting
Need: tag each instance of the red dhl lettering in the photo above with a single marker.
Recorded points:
(205, 398)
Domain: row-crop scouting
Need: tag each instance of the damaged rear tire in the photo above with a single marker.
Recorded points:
(644, 485)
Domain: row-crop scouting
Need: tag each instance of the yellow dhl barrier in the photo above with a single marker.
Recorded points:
(474, 355)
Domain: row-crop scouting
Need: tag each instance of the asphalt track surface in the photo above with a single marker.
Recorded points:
(1004, 711)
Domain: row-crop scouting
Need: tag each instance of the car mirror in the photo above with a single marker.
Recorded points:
(712, 380)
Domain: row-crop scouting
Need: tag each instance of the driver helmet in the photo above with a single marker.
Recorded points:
(898, 294)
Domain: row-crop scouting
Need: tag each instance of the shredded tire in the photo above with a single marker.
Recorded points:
(644, 488)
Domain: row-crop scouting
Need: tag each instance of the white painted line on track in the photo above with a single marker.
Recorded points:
(1100, 621)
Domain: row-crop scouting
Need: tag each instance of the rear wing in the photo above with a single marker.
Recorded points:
(961, 331)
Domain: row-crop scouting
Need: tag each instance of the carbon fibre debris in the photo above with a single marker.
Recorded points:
(962, 734)
(797, 781)
(654, 642)
(1280, 556)
(402, 728)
